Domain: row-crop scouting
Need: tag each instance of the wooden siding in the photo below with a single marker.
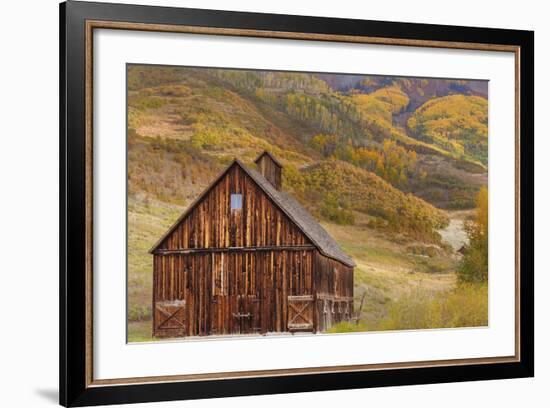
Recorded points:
(229, 292)
(212, 223)
(333, 290)
(270, 170)
(332, 278)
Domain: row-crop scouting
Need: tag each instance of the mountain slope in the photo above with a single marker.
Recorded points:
(217, 115)
(332, 185)
(456, 123)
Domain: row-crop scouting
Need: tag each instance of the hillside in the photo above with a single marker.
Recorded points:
(210, 117)
(332, 189)
(456, 123)
(223, 112)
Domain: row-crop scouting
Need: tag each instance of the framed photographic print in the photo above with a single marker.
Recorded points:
(255, 203)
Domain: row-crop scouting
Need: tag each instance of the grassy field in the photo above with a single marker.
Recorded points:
(402, 280)
(388, 270)
(408, 285)
(147, 221)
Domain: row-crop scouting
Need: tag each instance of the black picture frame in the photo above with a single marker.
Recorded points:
(74, 387)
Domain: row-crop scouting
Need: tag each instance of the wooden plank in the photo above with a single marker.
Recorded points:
(300, 326)
(300, 298)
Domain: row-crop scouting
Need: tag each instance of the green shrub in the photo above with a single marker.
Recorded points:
(333, 211)
(426, 250)
(206, 138)
(377, 223)
(147, 102)
(138, 313)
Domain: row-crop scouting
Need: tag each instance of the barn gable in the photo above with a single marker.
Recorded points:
(209, 221)
(233, 212)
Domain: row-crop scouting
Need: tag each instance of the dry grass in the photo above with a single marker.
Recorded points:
(140, 331)
(464, 306)
(421, 308)
(387, 273)
(147, 221)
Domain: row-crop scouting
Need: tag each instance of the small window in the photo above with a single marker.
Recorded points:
(236, 201)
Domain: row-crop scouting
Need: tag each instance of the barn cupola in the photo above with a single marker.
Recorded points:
(270, 168)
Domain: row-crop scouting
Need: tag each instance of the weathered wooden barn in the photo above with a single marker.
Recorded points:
(246, 257)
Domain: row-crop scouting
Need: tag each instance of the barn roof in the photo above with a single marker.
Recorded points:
(302, 218)
(298, 214)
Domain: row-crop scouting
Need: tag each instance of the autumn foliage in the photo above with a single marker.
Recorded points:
(339, 185)
(456, 123)
(475, 264)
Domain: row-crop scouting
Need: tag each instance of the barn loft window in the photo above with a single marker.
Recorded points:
(236, 201)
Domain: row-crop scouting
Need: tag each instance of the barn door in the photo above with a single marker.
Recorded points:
(300, 313)
(169, 319)
(247, 315)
